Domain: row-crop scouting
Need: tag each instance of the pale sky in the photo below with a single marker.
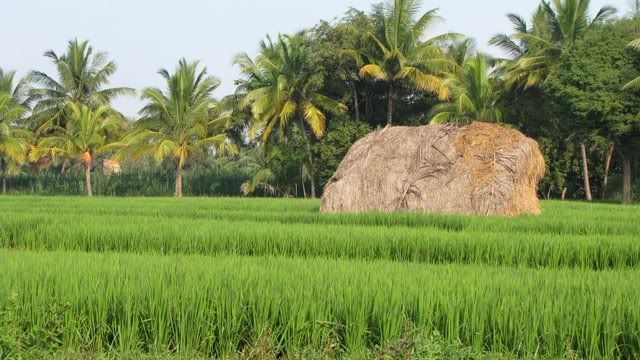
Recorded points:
(143, 36)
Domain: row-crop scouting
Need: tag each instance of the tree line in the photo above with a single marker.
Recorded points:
(568, 79)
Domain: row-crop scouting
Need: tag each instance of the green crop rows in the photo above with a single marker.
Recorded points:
(207, 276)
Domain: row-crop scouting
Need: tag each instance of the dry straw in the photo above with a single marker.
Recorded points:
(482, 169)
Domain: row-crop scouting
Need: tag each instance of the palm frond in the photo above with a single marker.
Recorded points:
(504, 42)
(315, 118)
(373, 71)
(633, 85)
(604, 14)
(519, 23)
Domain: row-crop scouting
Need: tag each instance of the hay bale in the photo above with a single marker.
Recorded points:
(481, 169)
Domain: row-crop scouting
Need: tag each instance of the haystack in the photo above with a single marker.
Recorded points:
(480, 169)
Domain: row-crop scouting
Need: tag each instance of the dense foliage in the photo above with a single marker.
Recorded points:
(569, 81)
(149, 181)
(587, 96)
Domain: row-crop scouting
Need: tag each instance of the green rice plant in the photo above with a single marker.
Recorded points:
(558, 218)
(566, 235)
(216, 305)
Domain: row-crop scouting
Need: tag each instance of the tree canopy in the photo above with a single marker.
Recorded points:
(570, 80)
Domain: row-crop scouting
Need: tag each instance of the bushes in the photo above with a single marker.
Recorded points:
(147, 182)
(20, 332)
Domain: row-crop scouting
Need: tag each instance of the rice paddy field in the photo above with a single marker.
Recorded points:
(221, 278)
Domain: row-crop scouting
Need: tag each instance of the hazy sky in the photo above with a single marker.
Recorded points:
(143, 36)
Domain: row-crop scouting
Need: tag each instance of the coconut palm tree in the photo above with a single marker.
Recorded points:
(82, 77)
(634, 8)
(264, 167)
(179, 121)
(19, 91)
(284, 93)
(536, 49)
(475, 96)
(84, 136)
(635, 83)
(402, 55)
(14, 140)
(461, 51)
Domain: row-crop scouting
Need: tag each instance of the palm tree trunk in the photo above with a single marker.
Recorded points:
(390, 95)
(4, 176)
(607, 169)
(304, 189)
(585, 172)
(178, 192)
(368, 108)
(627, 195)
(356, 101)
(87, 177)
(312, 174)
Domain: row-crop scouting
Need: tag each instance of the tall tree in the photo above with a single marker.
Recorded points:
(475, 96)
(587, 94)
(18, 90)
(402, 55)
(14, 139)
(634, 9)
(284, 93)
(84, 136)
(635, 83)
(537, 49)
(179, 121)
(338, 70)
(82, 78)
(462, 50)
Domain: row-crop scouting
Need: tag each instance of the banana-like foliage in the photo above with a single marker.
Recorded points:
(536, 48)
(475, 95)
(84, 136)
(180, 120)
(635, 83)
(82, 77)
(402, 55)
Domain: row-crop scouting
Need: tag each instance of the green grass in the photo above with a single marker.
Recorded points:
(210, 277)
(215, 304)
(566, 235)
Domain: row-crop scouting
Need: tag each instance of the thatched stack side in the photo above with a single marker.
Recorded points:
(482, 168)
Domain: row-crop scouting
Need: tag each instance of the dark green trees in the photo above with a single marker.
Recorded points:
(587, 96)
